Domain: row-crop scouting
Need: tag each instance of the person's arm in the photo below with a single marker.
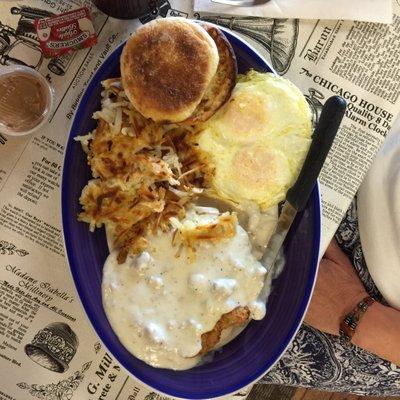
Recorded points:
(379, 332)
(337, 291)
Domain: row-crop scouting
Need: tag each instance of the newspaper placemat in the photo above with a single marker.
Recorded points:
(38, 302)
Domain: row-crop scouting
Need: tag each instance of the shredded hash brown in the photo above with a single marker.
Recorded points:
(187, 236)
(144, 173)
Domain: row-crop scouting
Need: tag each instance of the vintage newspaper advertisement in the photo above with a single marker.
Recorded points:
(39, 307)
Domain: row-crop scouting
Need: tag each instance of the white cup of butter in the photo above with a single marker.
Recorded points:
(26, 100)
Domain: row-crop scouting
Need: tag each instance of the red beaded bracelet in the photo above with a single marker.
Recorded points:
(350, 322)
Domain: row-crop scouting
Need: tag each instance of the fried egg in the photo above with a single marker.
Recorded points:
(258, 140)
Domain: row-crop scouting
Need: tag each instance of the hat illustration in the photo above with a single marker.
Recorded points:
(53, 347)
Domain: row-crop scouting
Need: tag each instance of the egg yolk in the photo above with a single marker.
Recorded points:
(258, 168)
(244, 118)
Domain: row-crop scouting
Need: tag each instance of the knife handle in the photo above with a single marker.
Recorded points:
(322, 139)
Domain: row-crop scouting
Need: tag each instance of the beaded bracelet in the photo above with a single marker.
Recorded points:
(350, 322)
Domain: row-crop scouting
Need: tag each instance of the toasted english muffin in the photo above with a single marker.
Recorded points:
(220, 88)
(167, 66)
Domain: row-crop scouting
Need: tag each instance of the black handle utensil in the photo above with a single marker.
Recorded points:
(322, 139)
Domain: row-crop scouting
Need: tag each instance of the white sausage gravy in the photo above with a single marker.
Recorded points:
(159, 304)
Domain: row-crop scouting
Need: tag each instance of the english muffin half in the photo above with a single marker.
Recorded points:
(223, 82)
(167, 66)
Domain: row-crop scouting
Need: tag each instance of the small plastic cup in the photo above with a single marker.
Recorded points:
(26, 100)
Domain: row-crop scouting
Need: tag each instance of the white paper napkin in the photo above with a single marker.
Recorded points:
(361, 10)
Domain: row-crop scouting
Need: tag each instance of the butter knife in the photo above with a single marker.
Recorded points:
(297, 196)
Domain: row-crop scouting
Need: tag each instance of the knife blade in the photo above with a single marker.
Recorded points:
(297, 196)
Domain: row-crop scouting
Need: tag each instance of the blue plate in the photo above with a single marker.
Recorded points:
(260, 345)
